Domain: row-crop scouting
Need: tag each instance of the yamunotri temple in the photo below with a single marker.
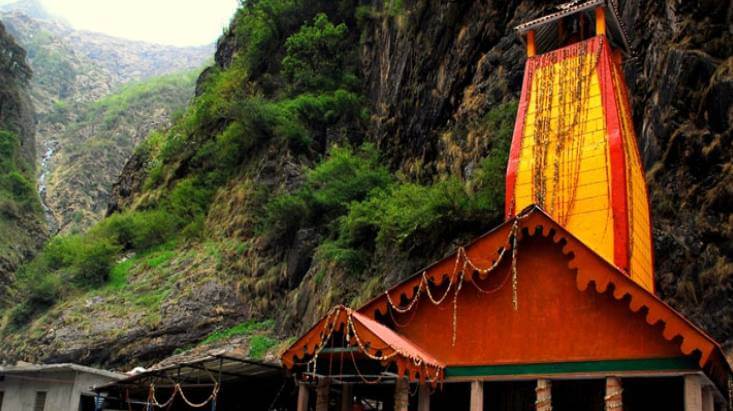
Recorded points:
(555, 308)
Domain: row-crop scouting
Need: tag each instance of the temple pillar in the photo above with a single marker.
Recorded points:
(303, 395)
(531, 48)
(614, 397)
(423, 398)
(693, 393)
(322, 389)
(401, 394)
(347, 397)
(477, 396)
(544, 395)
(600, 21)
(708, 402)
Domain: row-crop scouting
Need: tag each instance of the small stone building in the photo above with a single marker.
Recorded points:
(53, 387)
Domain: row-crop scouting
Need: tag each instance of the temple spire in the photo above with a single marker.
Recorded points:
(574, 151)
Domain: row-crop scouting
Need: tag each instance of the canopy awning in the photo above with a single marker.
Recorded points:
(370, 339)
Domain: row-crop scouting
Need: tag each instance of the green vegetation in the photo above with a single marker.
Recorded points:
(362, 207)
(153, 92)
(315, 56)
(243, 329)
(17, 191)
(289, 93)
(259, 345)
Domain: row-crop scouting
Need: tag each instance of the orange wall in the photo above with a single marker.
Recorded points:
(554, 323)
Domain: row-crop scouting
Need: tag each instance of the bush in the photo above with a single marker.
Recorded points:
(344, 176)
(41, 292)
(315, 55)
(407, 214)
(93, 262)
(139, 230)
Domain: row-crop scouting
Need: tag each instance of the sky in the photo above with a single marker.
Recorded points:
(172, 22)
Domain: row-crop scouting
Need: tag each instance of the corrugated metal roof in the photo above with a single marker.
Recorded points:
(219, 367)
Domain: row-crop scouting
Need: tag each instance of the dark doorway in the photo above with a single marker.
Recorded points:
(509, 396)
(451, 396)
(578, 395)
(641, 394)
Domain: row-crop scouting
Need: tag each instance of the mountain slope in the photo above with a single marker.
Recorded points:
(21, 225)
(73, 69)
(302, 175)
(102, 137)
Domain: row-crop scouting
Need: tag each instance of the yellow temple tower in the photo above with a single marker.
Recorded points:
(574, 150)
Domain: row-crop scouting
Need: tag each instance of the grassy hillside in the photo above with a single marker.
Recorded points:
(92, 150)
(272, 148)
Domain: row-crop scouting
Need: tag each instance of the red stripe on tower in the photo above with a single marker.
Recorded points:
(619, 201)
(516, 148)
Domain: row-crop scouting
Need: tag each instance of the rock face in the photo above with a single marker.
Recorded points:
(430, 69)
(21, 227)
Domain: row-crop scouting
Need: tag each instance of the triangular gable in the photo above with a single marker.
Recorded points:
(632, 324)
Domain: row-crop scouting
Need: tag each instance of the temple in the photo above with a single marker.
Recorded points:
(553, 309)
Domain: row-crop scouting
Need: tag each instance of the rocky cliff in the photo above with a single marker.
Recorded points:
(21, 227)
(279, 224)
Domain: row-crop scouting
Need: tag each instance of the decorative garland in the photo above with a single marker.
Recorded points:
(350, 332)
(462, 257)
(456, 279)
(152, 401)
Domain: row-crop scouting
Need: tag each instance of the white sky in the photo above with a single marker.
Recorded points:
(174, 22)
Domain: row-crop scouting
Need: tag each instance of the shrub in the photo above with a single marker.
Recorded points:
(407, 214)
(344, 176)
(284, 214)
(188, 199)
(41, 292)
(344, 255)
(315, 55)
(139, 230)
(93, 262)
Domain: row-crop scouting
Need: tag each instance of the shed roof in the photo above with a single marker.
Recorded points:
(25, 368)
(225, 366)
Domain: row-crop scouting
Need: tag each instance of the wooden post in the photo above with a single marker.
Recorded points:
(324, 385)
(303, 395)
(477, 396)
(600, 21)
(347, 397)
(708, 403)
(693, 393)
(401, 394)
(544, 395)
(531, 49)
(614, 397)
(423, 398)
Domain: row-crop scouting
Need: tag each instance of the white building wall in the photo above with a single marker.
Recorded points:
(63, 389)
